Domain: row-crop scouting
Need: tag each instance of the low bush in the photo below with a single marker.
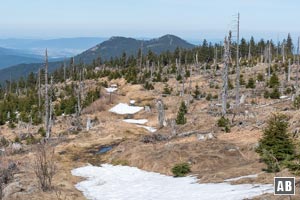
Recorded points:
(181, 169)
(224, 122)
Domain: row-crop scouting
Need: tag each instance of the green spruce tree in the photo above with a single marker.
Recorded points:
(276, 146)
(180, 115)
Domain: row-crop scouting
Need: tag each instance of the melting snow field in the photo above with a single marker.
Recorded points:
(136, 121)
(130, 183)
(110, 89)
(150, 129)
(141, 121)
(123, 109)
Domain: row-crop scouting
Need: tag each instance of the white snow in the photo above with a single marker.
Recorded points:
(140, 121)
(150, 129)
(136, 121)
(111, 89)
(130, 183)
(123, 109)
(241, 177)
(283, 97)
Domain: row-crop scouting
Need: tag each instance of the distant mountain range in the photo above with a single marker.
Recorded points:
(61, 47)
(114, 47)
(10, 57)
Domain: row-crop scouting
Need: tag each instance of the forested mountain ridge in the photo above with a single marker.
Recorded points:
(116, 46)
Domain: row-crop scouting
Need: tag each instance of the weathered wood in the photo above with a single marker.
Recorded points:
(225, 76)
(47, 114)
(161, 113)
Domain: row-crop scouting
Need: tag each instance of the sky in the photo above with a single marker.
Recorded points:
(189, 19)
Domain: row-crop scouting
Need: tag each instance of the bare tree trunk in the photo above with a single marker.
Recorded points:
(173, 127)
(297, 72)
(79, 99)
(39, 88)
(39, 94)
(161, 113)
(152, 69)
(249, 52)
(283, 52)
(65, 79)
(88, 124)
(177, 73)
(237, 95)
(197, 63)
(289, 72)
(141, 58)
(215, 59)
(183, 82)
(270, 60)
(225, 76)
(47, 114)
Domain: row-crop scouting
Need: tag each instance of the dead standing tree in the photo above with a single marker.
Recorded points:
(297, 68)
(39, 94)
(283, 51)
(141, 57)
(161, 113)
(270, 60)
(225, 75)
(47, 107)
(177, 74)
(79, 94)
(50, 105)
(289, 72)
(237, 94)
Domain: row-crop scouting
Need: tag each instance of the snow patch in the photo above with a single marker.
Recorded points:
(283, 97)
(130, 183)
(150, 129)
(123, 109)
(111, 89)
(136, 121)
(241, 177)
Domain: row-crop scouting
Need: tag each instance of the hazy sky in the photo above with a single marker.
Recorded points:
(190, 19)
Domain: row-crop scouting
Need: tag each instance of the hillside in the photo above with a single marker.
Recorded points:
(23, 70)
(153, 119)
(228, 159)
(114, 47)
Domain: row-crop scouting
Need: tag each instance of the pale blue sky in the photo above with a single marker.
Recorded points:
(190, 19)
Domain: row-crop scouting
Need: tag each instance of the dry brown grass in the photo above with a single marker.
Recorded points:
(230, 155)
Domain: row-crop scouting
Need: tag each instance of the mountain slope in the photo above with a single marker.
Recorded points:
(114, 47)
(23, 70)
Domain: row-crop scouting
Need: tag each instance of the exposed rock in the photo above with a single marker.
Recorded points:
(12, 189)
(154, 138)
(207, 136)
(16, 147)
